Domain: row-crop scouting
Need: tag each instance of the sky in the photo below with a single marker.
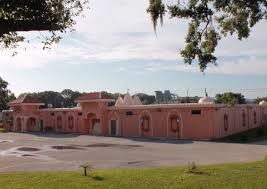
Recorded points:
(114, 48)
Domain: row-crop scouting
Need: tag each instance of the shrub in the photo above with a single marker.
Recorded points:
(244, 138)
(191, 167)
(86, 166)
(260, 132)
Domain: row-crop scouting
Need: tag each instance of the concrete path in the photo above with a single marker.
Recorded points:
(35, 152)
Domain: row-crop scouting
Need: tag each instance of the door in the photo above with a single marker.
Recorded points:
(96, 130)
(41, 125)
(113, 128)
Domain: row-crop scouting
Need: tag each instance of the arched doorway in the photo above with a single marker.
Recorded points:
(174, 126)
(146, 129)
(93, 123)
(19, 124)
(71, 123)
(32, 125)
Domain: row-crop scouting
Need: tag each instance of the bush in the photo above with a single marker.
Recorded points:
(191, 167)
(260, 132)
(86, 166)
(244, 138)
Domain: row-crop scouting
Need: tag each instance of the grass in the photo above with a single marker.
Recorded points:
(230, 176)
(2, 130)
(252, 135)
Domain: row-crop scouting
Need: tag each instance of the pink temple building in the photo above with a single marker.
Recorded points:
(129, 118)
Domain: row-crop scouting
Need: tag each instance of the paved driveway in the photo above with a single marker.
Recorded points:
(30, 152)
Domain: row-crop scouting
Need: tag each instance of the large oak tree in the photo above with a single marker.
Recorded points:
(5, 95)
(209, 20)
(54, 16)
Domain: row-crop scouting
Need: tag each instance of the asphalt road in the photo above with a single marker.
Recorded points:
(52, 152)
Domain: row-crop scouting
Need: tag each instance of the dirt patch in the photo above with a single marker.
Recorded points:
(101, 145)
(28, 149)
(135, 162)
(28, 155)
(66, 148)
(5, 141)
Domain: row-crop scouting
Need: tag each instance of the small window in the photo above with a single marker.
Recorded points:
(52, 114)
(196, 112)
(226, 122)
(244, 119)
(255, 117)
(129, 113)
(80, 113)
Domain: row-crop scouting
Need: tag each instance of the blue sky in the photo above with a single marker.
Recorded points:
(114, 48)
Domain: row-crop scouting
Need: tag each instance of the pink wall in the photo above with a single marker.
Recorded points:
(180, 121)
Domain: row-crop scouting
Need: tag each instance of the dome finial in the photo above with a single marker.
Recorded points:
(206, 94)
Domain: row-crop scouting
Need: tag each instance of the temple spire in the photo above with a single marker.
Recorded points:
(206, 94)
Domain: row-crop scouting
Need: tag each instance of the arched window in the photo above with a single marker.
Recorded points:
(145, 123)
(59, 122)
(225, 122)
(174, 123)
(255, 117)
(71, 122)
(244, 119)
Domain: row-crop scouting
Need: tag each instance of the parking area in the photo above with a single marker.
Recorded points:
(52, 152)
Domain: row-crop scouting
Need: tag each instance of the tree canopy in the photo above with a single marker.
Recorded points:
(259, 99)
(36, 15)
(209, 20)
(5, 95)
(230, 98)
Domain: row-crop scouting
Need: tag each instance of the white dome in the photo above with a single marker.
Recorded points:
(136, 100)
(263, 103)
(206, 100)
(127, 101)
(119, 101)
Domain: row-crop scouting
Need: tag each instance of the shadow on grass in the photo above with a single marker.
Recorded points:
(96, 177)
(198, 173)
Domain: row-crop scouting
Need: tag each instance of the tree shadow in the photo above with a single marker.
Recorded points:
(198, 173)
(161, 140)
(96, 177)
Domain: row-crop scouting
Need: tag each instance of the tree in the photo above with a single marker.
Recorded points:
(5, 95)
(209, 20)
(69, 97)
(230, 98)
(146, 99)
(258, 100)
(50, 97)
(53, 16)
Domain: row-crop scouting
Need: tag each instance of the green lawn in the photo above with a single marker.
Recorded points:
(2, 130)
(235, 176)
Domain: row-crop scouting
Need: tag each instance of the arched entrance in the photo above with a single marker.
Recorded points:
(32, 125)
(174, 126)
(93, 123)
(145, 125)
(19, 124)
